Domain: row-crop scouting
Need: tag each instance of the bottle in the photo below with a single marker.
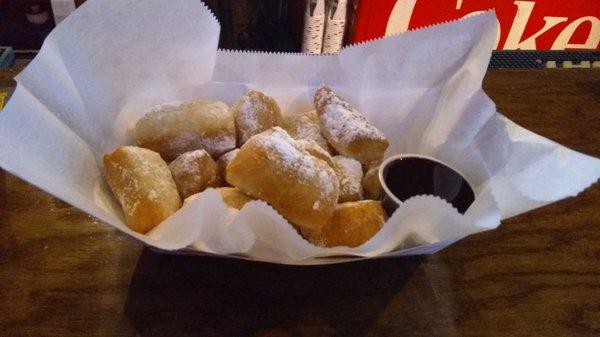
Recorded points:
(335, 26)
(314, 26)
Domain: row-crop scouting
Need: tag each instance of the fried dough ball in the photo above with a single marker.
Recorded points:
(254, 113)
(347, 131)
(193, 172)
(174, 129)
(142, 183)
(271, 167)
(352, 224)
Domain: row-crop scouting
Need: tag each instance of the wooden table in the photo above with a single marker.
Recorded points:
(64, 274)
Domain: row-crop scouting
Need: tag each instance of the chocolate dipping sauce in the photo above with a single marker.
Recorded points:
(411, 176)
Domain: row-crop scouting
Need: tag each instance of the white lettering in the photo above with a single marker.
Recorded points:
(562, 41)
(400, 17)
(524, 10)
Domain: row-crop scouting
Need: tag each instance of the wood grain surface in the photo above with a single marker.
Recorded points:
(64, 274)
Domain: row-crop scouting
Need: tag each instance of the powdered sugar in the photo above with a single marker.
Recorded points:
(164, 106)
(254, 113)
(187, 162)
(144, 166)
(343, 123)
(306, 129)
(284, 149)
(312, 148)
(193, 172)
(174, 129)
(216, 108)
(247, 111)
(215, 146)
(325, 95)
(346, 125)
(350, 174)
(305, 126)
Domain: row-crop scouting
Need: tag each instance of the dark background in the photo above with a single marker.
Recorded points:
(261, 25)
(16, 31)
(267, 25)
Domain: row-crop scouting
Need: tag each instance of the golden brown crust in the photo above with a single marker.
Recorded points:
(301, 187)
(352, 224)
(143, 185)
(233, 197)
(254, 113)
(199, 125)
(193, 172)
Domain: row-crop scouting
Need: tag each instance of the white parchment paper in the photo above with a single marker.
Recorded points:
(111, 60)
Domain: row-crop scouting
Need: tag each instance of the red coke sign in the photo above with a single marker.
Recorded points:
(525, 25)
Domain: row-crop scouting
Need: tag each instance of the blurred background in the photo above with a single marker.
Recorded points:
(532, 33)
(255, 24)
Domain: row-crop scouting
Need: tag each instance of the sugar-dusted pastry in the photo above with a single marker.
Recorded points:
(352, 224)
(141, 181)
(193, 172)
(315, 150)
(350, 174)
(272, 168)
(254, 113)
(305, 125)
(371, 184)
(349, 132)
(223, 161)
(175, 129)
(233, 197)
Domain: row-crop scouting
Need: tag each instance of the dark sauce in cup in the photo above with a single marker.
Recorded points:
(411, 176)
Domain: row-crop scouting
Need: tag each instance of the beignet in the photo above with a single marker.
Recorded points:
(142, 183)
(193, 172)
(272, 168)
(352, 224)
(347, 131)
(254, 113)
(175, 129)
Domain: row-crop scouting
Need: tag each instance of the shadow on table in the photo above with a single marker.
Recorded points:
(175, 295)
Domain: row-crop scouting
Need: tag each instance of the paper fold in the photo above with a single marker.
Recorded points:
(111, 60)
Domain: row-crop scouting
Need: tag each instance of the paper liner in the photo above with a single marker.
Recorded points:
(111, 60)
(539, 172)
(426, 221)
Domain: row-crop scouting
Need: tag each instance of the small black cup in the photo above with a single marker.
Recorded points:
(406, 176)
